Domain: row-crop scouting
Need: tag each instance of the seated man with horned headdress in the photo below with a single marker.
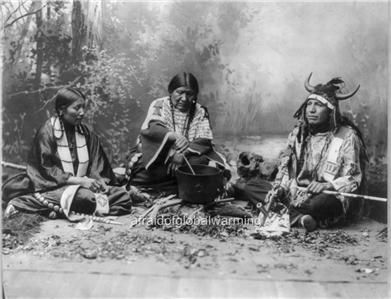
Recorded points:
(325, 151)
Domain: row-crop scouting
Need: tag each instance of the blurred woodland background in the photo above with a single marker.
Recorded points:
(251, 59)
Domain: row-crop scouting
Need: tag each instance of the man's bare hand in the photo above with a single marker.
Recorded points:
(317, 187)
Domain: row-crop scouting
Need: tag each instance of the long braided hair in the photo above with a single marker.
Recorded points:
(65, 97)
(336, 119)
(185, 80)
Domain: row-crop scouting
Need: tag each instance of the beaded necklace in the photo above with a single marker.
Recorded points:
(185, 129)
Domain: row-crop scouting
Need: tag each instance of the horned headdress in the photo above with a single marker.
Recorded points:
(328, 94)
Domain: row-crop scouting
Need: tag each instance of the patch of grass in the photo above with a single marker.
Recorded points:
(18, 229)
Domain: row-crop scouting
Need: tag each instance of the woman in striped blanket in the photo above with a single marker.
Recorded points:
(176, 128)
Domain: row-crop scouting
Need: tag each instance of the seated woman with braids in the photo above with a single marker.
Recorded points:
(67, 169)
(176, 129)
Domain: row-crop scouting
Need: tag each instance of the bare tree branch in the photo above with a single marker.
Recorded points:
(3, 13)
(28, 92)
(12, 12)
(25, 15)
(52, 98)
(10, 15)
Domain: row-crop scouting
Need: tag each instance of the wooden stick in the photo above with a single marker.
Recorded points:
(162, 205)
(142, 216)
(217, 201)
(159, 202)
(188, 165)
(104, 220)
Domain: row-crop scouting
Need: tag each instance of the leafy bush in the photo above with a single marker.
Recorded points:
(108, 84)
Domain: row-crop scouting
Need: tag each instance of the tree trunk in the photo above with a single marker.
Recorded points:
(39, 48)
(78, 31)
(47, 66)
(39, 39)
(48, 12)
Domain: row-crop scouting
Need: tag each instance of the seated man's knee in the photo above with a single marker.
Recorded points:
(324, 206)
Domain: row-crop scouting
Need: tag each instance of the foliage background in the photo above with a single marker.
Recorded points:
(251, 59)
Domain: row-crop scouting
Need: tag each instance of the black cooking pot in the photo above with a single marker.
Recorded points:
(203, 187)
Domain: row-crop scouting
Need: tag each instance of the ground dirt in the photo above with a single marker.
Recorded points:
(354, 254)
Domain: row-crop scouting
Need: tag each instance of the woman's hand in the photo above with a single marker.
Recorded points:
(177, 160)
(103, 186)
(171, 136)
(181, 143)
(92, 184)
(317, 187)
(86, 182)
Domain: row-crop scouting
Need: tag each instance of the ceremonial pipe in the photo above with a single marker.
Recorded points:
(355, 195)
(350, 195)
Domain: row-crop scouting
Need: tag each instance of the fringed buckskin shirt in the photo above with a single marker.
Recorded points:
(344, 168)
